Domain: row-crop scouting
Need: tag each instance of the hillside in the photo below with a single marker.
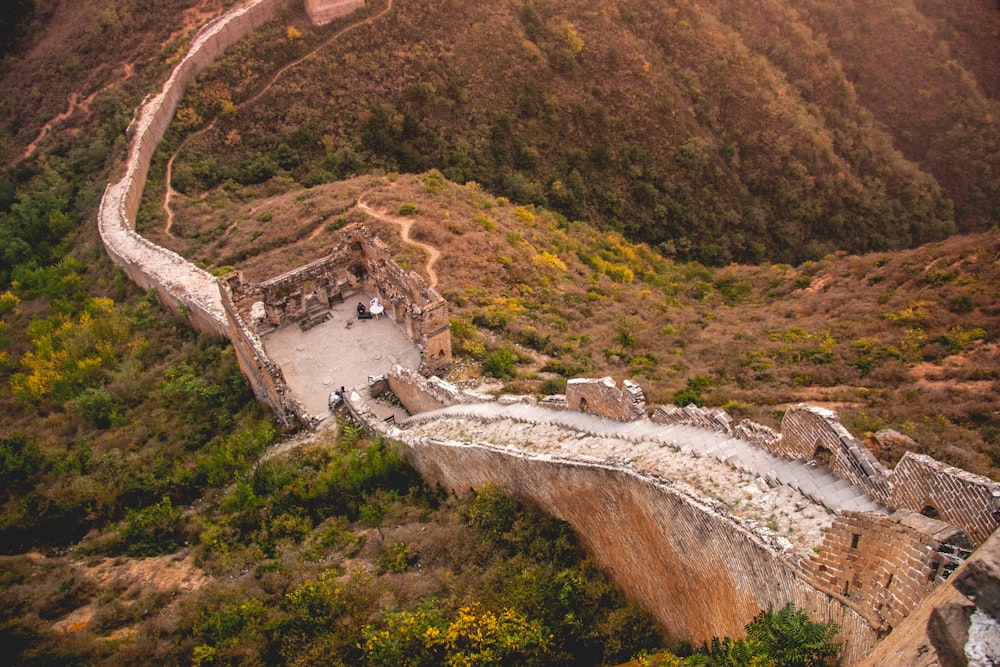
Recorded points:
(582, 168)
(906, 340)
(716, 132)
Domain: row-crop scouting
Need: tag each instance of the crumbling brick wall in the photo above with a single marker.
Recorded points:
(809, 432)
(265, 377)
(884, 566)
(359, 262)
(922, 484)
(601, 397)
(717, 420)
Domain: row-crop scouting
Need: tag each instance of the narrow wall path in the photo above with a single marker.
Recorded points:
(648, 438)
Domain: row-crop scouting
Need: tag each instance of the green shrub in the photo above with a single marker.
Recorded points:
(962, 303)
(152, 531)
(501, 364)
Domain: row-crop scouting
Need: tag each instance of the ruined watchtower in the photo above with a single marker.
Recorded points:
(359, 264)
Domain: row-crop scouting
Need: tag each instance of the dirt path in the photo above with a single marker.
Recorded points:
(74, 103)
(405, 224)
(169, 191)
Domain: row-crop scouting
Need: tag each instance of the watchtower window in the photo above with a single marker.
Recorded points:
(930, 512)
(583, 405)
(854, 540)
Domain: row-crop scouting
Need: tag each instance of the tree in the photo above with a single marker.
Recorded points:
(786, 638)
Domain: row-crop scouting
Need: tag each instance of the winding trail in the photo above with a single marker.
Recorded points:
(169, 191)
(405, 224)
(74, 103)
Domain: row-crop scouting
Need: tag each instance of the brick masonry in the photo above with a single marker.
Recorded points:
(884, 566)
(602, 397)
(813, 433)
(923, 484)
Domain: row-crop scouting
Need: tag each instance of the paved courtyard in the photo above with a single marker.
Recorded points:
(341, 352)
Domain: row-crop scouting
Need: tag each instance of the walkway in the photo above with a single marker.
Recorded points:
(815, 483)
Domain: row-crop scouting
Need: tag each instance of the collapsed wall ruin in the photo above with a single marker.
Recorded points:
(359, 264)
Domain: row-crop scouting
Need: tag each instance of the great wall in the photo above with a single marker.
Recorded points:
(701, 520)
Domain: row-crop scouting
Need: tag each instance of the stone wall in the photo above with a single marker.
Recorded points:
(359, 263)
(813, 433)
(179, 285)
(922, 484)
(697, 570)
(265, 377)
(324, 11)
(419, 394)
(884, 566)
(714, 420)
(957, 625)
(601, 397)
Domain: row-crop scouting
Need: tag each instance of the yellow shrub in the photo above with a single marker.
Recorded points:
(546, 260)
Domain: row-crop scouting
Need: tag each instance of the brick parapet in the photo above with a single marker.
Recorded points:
(923, 484)
(808, 431)
(601, 397)
(265, 377)
(714, 420)
(884, 566)
(419, 393)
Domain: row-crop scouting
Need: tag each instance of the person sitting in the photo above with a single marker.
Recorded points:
(363, 313)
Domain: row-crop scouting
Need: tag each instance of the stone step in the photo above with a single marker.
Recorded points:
(315, 320)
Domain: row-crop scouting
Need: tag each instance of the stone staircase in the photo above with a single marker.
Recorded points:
(813, 481)
(316, 314)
